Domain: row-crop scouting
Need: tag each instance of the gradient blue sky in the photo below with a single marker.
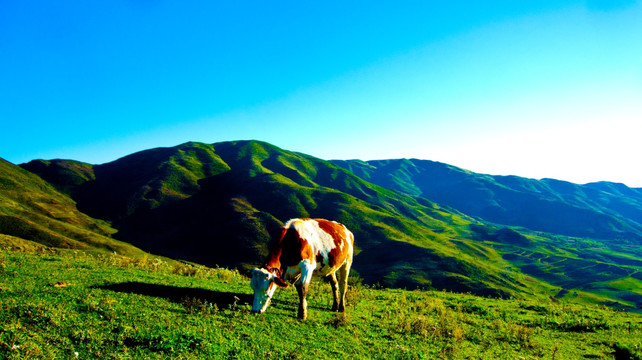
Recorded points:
(530, 88)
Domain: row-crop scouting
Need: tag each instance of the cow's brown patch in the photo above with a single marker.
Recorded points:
(338, 233)
(336, 230)
(289, 250)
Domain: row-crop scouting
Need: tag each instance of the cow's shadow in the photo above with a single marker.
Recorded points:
(177, 294)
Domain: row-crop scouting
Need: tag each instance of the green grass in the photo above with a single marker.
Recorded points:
(58, 303)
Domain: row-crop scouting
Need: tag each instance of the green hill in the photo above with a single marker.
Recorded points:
(221, 204)
(33, 209)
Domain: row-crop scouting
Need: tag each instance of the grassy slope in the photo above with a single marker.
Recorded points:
(58, 303)
(31, 208)
(582, 270)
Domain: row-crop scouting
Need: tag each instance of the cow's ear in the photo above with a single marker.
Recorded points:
(280, 282)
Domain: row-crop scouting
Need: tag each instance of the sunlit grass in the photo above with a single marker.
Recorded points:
(59, 303)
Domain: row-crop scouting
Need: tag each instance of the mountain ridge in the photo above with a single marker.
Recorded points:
(222, 203)
(548, 205)
(257, 187)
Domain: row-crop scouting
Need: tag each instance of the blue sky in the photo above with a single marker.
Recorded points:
(530, 88)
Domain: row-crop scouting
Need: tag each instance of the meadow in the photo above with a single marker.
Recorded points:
(73, 304)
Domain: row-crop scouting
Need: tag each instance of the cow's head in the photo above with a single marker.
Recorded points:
(264, 283)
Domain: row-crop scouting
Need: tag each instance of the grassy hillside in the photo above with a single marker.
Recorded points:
(33, 209)
(600, 210)
(221, 204)
(71, 304)
(583, 271)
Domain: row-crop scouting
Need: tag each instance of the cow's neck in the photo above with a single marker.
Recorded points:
(274, 262)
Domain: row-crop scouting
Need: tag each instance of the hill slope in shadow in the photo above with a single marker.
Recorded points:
(34, 210)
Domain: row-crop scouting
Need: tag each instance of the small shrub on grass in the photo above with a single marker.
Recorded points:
(197, 306)
(518, 335)
(184, 270)
(354, 295)
(225, 275)
(447, 326)
(474, 309)
(421, 326)
(540, 309)
(339, 320)
(584, 325)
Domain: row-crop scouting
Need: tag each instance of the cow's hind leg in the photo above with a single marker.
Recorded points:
(335, 291)
(343, 285)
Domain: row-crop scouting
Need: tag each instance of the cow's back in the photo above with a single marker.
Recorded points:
(328, 242)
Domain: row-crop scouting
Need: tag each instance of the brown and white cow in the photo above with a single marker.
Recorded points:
(306, 245)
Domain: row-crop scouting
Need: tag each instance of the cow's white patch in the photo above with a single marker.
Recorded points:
(320, 241)
(307, 268)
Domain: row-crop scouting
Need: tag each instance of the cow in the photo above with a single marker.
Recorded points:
(305, 245)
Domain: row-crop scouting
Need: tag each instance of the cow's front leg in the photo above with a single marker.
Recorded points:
(307, 268)
(302, 289)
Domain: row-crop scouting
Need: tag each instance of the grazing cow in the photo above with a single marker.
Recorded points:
(305, 245)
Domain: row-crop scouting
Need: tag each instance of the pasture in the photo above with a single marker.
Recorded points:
(70, 304)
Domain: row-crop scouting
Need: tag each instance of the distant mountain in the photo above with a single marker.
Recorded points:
(34, 210)
(221, 204)
(603, 210)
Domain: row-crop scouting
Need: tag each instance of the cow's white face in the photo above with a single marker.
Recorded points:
(263, 284)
